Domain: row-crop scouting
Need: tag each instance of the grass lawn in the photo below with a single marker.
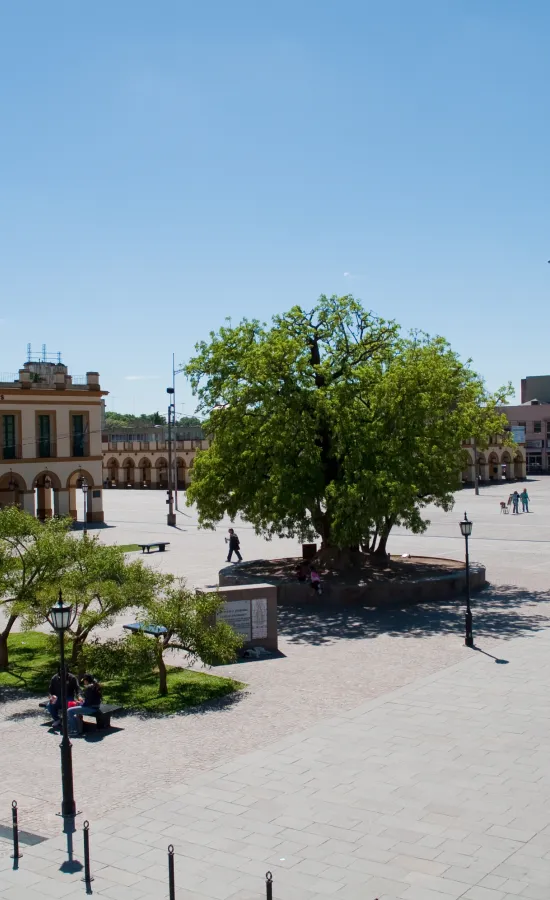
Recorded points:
(128, 548)
(33, 662)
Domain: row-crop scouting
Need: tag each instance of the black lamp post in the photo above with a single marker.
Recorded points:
(171, 517)
(466, 529)
(61, 618)
(83, 484)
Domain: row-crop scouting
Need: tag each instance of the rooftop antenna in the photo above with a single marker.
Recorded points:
(44, 354)
(28, 352)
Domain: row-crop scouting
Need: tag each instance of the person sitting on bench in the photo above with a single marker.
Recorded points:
(91, 701)
(54, 703)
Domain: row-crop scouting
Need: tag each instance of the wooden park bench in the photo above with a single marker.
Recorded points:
(162, 545)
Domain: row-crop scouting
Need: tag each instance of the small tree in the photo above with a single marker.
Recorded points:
(190, 621)
(33, 558)
(100, 585)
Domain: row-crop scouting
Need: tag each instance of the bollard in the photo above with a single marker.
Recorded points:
(171, 873)
(268, 886)
(88, 877)
(16, 854)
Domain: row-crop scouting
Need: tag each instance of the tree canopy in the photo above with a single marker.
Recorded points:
(33, 555)
(332, 422)
(114, 420)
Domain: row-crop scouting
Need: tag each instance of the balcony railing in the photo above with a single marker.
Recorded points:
(46, 449)
(12, 451)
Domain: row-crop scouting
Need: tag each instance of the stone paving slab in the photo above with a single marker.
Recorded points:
(440, 789)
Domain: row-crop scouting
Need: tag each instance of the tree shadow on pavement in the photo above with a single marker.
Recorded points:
(500, 611)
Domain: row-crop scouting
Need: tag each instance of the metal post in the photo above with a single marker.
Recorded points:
(88, 877)
(171, 873)
(16, 855)
(268, 886)
(174, 402)
(476, 476)
(469, 641)
(68, 806)
(171, 518)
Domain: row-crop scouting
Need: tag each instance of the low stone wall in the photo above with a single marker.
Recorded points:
(439, 588)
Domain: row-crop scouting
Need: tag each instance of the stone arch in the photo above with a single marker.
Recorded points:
(38, 480)
(79, 473)
(482, 467)
(494, 466)
(112, 470)
(181, 471)
(519, 465)
(162, 466)
(10, 495)
(16, 477)
(507, 467)
(128, 471)
(145, 471)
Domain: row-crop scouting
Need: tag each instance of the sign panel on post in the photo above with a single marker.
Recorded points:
(259, 618)
(237, 614)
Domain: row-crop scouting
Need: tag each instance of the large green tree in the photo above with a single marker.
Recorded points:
(33, 556)
(331, 422)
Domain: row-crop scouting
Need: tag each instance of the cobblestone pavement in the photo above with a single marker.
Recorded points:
(437, 791)
(332, 663)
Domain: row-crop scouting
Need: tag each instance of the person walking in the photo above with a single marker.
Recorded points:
(234, 546)
(515, 503)
(524, 497)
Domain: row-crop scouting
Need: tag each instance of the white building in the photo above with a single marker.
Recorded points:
(51, 440)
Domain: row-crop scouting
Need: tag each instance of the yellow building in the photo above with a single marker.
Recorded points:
(51, 440)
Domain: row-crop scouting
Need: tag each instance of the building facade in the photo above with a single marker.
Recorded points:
(139, 460)
(496, 463)
(533, 417)
(51, 440)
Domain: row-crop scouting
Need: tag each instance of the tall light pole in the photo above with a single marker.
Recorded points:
(61, 618)
(466, 529)
(171, 517)
(174, 373)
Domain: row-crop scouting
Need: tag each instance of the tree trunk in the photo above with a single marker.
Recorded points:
(163, 683)
(4, 635)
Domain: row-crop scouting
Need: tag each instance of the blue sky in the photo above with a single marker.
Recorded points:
(166, 164)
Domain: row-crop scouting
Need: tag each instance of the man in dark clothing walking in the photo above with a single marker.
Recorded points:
(234, 545)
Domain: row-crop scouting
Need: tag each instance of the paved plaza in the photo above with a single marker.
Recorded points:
(377, 758)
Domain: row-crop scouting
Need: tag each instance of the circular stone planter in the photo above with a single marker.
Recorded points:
(447, 581)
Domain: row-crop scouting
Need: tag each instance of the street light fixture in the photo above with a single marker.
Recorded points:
(61, 618)
(466, 529)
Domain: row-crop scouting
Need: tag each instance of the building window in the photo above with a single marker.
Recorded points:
(78, 436)
(537, 427)
(8, 437)
(44, 437)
